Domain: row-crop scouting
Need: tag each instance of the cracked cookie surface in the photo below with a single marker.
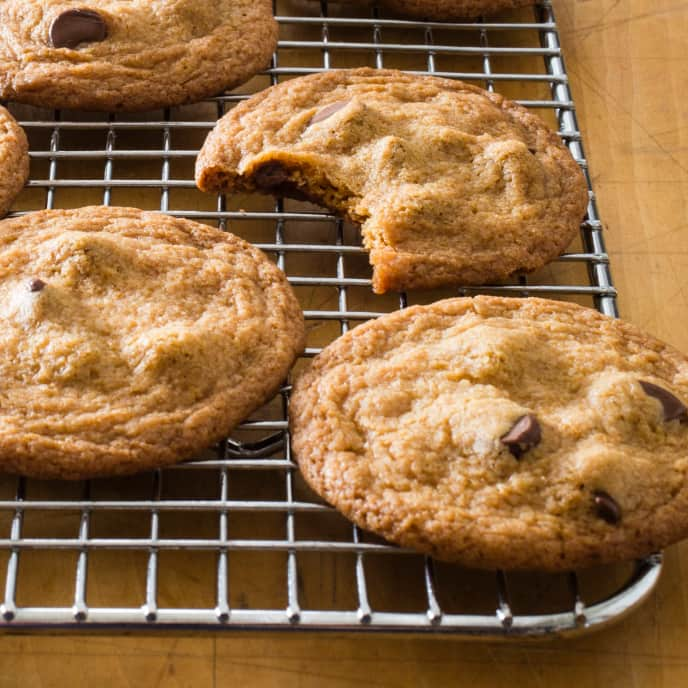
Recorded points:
(130, 54)
(450, 184)
(132, 340)
(500, 433)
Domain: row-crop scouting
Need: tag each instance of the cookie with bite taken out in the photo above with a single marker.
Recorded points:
(450, 184)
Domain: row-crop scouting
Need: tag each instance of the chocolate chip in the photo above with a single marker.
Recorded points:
(274, 179)
(328, 111)
(606, 507)
(36, 285)
(271, 175)
(77, 26)
(524, 435)
(672, 408)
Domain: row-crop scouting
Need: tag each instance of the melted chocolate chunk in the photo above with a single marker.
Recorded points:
(73, 27)
(672, 407)
(607, 507)
(271, 176)
(524, 435)
(274, 179)
(36, 285)
(328, 111)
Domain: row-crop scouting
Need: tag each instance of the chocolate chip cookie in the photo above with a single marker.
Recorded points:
(113, 55)
(132, 340)
(446, 9)
(495, 432)
(14, 160)
(451, 184)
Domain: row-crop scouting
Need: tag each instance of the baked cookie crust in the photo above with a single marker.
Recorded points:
(155, 53)
(446, 9)
(450, 184)
(500, 433)
(132, 340)
(14, 160)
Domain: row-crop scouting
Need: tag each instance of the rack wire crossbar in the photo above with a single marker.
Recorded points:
(237, 530)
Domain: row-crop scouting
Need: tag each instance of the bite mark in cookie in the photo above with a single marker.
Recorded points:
(450, 184)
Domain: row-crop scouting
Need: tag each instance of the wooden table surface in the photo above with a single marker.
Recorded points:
(628, 63)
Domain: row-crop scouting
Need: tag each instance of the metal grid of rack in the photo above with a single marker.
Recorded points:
(235, 539)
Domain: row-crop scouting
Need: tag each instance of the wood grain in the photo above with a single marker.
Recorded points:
(629, 71)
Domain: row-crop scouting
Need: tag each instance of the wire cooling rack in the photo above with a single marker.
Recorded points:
(235, 539)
